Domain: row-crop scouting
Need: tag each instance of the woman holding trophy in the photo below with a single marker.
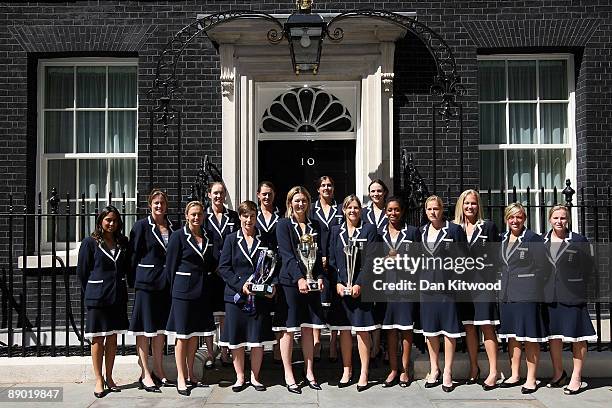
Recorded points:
(299, 306)
(351, 250)
(244, 264)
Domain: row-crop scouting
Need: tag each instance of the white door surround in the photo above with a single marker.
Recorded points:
(364, 57)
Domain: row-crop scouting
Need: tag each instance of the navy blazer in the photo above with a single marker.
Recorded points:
(482, 245)
(334, 217)
(451, 242)
(148, 255)
(237, 263)
(365, 237)
(187, 266)
(368, 217)
(102, 274)
(572, 266)
(268, 229)
(217, 232)
(288, 237)
(525, 269)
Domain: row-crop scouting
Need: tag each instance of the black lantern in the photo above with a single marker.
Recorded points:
(305, 31)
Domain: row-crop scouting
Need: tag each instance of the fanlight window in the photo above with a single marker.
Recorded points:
(304, 110)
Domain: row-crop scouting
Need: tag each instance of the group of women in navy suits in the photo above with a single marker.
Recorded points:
(176, 273)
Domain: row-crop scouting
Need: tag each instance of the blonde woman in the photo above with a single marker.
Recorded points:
(566, 313)
(525, 269)
(482, 312)
(298, 309)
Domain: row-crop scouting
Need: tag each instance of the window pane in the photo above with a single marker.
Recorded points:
(522, 80)
(491, 169)
(553, 123)
(122, 132)
(123, 177)
(61, 174)
(60, 235)
(122, 87)
(91, 87)
(523, 123)
(90, 132)
(553, 79)
(92, 178)
(551, 164)
(492, 80)
(521, 168)
(492, 123)
(59, 87)
(58, 132)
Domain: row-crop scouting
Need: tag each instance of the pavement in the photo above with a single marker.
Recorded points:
(219, 393)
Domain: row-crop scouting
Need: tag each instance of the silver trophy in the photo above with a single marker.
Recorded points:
(264, 269)
(307, 249)
(350, 255)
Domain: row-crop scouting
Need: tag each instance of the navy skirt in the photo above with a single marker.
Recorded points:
(522, 321)
(479, 313)
(215, 288)
(352, 314)
(569, 323)
(440, 318)
(150, 313)
(295, 310)
(400, 315)
(242, 329)
(106, 320)
(189, 318)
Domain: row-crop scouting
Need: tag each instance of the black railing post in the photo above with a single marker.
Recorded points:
(67, 276)
(597, 303)
(542, 211)
(528, 207)
(10, 279)
(83, 219)
(24, 280)
(54, 204)
(39, 274)
(123, 209)
(609, 218)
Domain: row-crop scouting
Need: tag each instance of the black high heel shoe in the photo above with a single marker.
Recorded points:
(559, 383)
(293, 388)
(435, 383)
(392, 383)
(448, 388)
(474, 380)
(147, 388)
(112, 389)
(163, 382)
(361, 388)
(186, 392)
(568, 391)
(100, 394)
(313, 384)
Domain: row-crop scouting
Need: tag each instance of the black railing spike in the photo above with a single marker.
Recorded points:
(568, 192)
(193, 194)
(110, 198)
(67, 203)
(54, 201)
(554, 201)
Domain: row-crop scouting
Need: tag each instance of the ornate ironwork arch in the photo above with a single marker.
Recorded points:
(165, 85)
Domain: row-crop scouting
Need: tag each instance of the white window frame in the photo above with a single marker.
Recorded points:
(42, 157)
(570, 146)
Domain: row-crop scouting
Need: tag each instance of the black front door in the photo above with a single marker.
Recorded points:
(288, 163)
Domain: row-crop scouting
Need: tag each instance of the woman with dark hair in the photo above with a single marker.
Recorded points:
(148, 241)
(375, 213)
(298, 308)
(328, 213)
(482, 311)
(220, 222)
(189, 263)
(400, 316)
(438, 310)
(247, 317)
(352, 241)
(102, 267)
(267, 219)
(567, 314)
